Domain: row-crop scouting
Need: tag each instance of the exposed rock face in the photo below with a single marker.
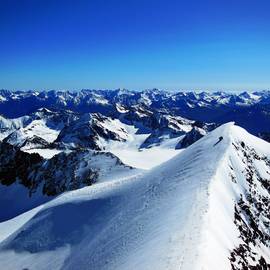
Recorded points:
(252, 212)
(191, 137)
(16, 165)
(65, 171)
(199, 129)
(88, 130)
(21, 141)
(168, 127)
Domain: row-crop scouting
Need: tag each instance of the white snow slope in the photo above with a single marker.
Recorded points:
(146, 158)
(179, 215)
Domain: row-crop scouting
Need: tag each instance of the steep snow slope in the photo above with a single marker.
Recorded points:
(204, 209)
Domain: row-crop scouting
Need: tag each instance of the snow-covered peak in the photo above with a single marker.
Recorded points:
(91, 131)
(35, 135)
(207, 208)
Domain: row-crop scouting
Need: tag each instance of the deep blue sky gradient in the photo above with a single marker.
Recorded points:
(204, 45)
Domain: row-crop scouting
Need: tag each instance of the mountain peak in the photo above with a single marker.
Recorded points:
(205, 208)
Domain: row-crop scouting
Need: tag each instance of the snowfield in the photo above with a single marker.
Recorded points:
(143, 158)
(186, 213)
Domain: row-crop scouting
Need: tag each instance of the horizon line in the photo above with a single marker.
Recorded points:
(140, 90)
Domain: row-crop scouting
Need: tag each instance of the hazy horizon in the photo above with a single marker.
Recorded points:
(141, 90)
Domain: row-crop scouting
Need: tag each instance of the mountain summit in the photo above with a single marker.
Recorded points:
(206, 208)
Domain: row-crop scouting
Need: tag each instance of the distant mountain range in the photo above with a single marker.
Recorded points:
(249, 110)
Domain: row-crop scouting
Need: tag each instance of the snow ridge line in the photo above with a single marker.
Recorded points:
(203, 237)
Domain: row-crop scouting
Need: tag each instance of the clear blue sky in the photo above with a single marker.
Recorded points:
(63, 44)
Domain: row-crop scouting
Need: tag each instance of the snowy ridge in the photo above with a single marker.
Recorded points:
(188, 213)
(247, 247)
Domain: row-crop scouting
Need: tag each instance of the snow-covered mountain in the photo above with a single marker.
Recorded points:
(154, 98)
(207, 208)
(36, 130)
(49, 132)
(249, 110)
(90, 131)
(100, 179)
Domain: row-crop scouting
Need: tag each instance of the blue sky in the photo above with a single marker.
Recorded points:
(187, 45)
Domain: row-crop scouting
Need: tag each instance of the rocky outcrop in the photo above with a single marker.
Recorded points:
(63, 172)
(252, 213)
